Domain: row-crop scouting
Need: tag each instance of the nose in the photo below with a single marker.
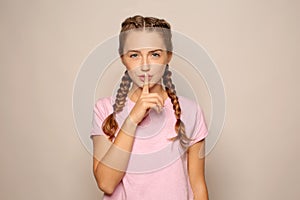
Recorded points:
(145, 64)
(145, 67)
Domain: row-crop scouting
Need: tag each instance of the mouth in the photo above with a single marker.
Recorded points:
(142, 77)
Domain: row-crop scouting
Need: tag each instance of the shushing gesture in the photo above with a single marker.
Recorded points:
(145, 102)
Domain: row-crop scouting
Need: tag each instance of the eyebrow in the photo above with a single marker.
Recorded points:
(140, 51)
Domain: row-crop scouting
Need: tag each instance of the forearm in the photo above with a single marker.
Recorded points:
(112, 166)
(196, 169)
(201, 192)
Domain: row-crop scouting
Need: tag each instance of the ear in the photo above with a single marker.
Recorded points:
(169, 56)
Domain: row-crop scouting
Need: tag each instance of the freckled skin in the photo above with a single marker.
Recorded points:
(145, 52)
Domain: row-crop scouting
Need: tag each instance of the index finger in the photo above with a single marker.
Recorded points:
(146, 84)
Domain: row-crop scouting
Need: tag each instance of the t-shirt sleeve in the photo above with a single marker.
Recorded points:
(100, 112)
(200, 130)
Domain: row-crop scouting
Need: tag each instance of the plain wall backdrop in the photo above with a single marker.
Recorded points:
(255, 45)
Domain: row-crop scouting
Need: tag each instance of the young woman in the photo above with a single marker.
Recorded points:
(134, 133)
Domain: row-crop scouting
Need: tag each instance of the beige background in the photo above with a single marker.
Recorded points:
(255, 45)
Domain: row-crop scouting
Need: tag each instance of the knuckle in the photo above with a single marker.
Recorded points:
(144, 103)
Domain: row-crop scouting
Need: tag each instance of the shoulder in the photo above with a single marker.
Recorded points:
(104, 104)
(187, 103)
(193, 118)
(190, 109)
(104, 100)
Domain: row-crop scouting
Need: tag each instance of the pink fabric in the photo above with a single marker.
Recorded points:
(157, 168)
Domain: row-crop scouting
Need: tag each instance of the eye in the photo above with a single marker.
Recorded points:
(134, 55)
(156, 55)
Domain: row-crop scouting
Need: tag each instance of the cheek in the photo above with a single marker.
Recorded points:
(159, 71)
(133, 65)
(157, 75)
(135, 79)
(132, 74)
(129, 64)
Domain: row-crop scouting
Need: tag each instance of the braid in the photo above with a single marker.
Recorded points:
(110, 125)
(179, 125)
(122, 93)
(133, 22)
(139, 21)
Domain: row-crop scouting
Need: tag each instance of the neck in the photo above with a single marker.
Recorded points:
(135, 92)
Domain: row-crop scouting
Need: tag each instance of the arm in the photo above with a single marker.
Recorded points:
(196, 170)
(114, 158)
(111, 159)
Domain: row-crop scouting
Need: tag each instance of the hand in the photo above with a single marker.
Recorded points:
(145, 102)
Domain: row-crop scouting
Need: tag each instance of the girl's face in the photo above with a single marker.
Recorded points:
(145, 52)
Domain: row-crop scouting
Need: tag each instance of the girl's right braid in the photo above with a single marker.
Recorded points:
(110, 125)
(122, 93)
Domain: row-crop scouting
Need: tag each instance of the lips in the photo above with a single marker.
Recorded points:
(142, 77)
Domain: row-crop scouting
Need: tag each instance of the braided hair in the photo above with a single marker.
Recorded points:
(179, 125)
(110, 124)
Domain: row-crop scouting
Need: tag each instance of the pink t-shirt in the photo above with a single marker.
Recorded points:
(157, 168)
